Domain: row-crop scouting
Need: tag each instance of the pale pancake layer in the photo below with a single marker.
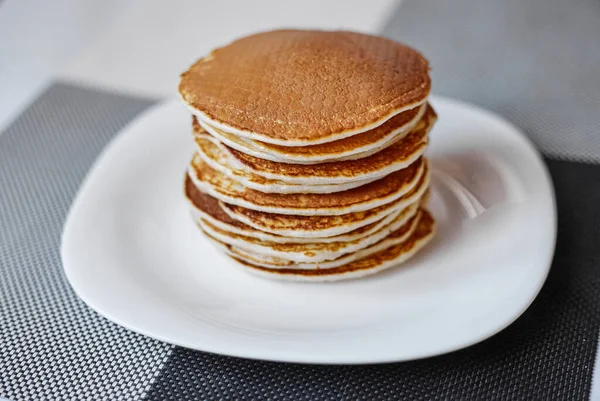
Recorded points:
(322, 226)
(306, 252)
(216, 155)
(393, 158)
(369, 196)
(351, 148)
(372, 263)
(296, 88)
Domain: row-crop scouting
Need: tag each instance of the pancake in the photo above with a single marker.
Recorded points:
(395, 237)
(204, 206)
(369, 196)
(351, 148)
(366, 265)
(306, 252)
(321, 226)
(215, 154)
(393, 158)
(297, 88)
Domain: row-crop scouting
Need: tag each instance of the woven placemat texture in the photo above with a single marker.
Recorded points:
(52, 347)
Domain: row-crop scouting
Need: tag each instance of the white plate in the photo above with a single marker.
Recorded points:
(132, 253)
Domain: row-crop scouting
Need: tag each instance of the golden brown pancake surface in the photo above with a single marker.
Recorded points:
(306, 86)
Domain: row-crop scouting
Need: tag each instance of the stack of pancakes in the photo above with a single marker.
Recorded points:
(309, 162)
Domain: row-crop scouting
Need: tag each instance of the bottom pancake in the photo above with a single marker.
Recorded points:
(381, 260)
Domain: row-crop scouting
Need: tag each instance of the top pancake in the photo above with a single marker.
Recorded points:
(295, 88)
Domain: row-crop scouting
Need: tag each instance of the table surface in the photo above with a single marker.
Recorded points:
(139, 47)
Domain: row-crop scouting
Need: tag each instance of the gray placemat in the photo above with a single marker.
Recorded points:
(52, 347)
(535, 62)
